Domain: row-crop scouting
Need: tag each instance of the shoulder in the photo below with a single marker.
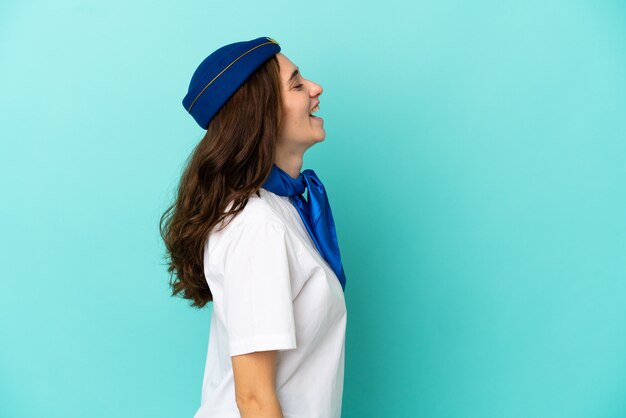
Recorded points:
(258, 236)
(257, 212)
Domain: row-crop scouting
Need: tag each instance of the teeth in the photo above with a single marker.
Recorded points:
(315, 109)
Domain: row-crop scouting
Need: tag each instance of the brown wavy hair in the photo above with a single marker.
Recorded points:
(232, 161)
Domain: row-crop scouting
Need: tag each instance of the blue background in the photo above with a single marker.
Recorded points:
(475, 158)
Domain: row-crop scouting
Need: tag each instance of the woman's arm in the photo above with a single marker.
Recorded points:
(255, 387)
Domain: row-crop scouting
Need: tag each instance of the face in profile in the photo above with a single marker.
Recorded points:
(300, 97)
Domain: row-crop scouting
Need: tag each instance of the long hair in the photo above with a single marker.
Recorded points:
(232, 161)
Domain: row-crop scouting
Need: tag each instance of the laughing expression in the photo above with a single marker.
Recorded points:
(300, 96)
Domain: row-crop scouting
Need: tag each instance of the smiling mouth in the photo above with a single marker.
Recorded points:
(315, 109)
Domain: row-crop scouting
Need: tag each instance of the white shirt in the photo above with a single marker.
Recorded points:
(272, 290)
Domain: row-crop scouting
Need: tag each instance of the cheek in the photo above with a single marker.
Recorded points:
(296, 115)
(297, 106)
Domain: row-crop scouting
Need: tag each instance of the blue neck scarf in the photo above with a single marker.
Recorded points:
(315, 212)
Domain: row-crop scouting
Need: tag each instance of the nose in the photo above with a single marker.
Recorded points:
(317, 89)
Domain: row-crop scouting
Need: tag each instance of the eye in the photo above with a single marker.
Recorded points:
(298, 87)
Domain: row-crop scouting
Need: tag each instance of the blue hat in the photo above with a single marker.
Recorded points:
(220, 75)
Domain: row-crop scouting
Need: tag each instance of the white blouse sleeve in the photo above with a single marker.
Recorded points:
(258, 302)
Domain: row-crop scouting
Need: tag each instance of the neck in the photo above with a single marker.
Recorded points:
(289, 162)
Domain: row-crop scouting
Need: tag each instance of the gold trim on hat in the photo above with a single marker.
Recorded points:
(214, 78)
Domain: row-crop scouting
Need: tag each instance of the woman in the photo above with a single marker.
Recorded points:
(242, 235)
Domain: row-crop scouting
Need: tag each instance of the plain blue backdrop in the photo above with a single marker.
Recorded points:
(475, 158)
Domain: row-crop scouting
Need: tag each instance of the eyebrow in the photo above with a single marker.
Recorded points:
(293, 75)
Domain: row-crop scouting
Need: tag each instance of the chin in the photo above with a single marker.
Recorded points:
(316, 140)
(321, 138)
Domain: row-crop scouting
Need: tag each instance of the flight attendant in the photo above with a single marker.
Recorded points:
(242, 235)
